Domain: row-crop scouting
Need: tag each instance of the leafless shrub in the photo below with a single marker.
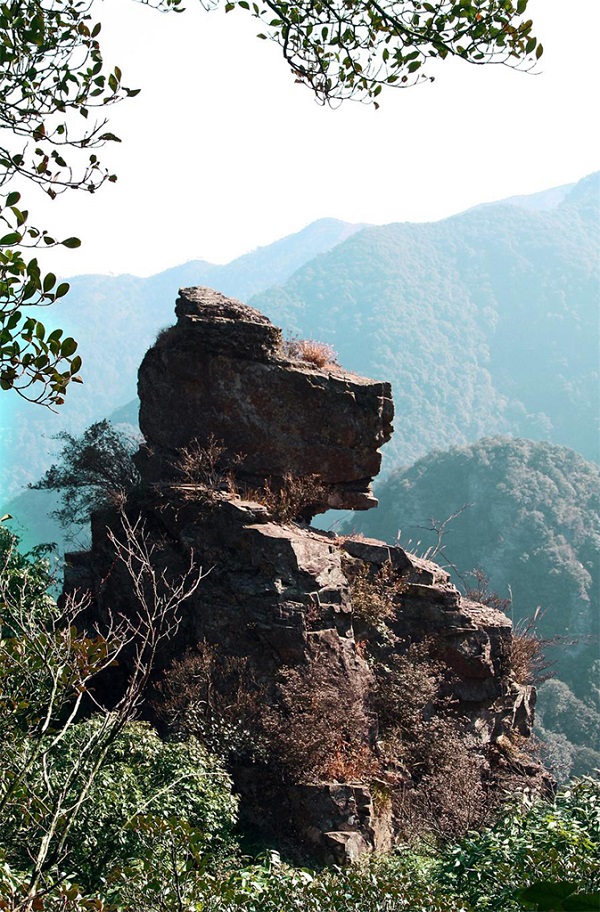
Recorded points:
(319, 730)
(295, 497)
(375, 591)
(406, 692)
(157, 597)
(208, 468)
(312, 352)
(213, 697)
(442, 788)
(480, 592)
(450, 796)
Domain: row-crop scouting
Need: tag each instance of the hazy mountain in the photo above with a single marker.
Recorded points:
(533, 525)
(486, 322)
(115, 319)
(545, 199)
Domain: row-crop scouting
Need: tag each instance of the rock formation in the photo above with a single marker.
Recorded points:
(221, 371)
(358, 680)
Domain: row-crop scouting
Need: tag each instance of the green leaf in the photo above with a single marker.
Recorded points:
(582, 902)
(10, 239)
(547, 895)
(49, 281)
(68, 347)
(71, 242)
(13, 198)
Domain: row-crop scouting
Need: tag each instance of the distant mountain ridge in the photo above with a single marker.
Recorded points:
(544, 199)
(344, 283)
(486, 322)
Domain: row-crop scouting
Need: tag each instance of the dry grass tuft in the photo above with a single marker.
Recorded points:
(527, 660)
(312, 352)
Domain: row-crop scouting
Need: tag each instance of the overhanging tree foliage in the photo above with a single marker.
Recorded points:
(54, 89)
(53, 78)
(353, 48)
(93, 470)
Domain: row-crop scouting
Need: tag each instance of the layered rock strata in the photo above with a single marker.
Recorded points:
(316, 621)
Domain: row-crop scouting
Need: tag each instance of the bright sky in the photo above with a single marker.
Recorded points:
(222, 152)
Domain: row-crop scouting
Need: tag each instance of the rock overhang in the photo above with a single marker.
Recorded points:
(221, 372)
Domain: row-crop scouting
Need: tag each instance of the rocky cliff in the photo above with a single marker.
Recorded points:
(355, 694)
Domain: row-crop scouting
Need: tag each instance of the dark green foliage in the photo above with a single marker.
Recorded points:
(94, 470)
(533, 524)
(36, 361)
(52, 72)
(355, 49)
(540, 842)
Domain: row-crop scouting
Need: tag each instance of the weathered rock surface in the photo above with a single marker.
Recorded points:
(280, 596)
(220, 371)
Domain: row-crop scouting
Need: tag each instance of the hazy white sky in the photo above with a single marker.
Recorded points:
(222, 152)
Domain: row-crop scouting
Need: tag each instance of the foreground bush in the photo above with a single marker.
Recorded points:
(557, 842)
(538, 850)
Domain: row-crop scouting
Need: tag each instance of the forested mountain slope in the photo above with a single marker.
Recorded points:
(485, 323)
(532, 523)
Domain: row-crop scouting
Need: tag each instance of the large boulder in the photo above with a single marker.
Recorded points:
(221, 373)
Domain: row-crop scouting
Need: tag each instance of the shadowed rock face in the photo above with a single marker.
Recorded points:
(220, 372)
(286, 600)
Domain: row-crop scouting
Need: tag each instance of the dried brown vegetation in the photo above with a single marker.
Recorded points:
(375, 592)
(527, 659)
(528, 662)
(319, 730)
(295, 497)
(479, 591)
(441, 788)
(208, 465)
(214, 698)
(312, 352)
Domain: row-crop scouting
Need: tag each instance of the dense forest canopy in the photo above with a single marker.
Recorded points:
(528, 515)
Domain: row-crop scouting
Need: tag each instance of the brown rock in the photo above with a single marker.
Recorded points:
(221, 371)
(279, 597)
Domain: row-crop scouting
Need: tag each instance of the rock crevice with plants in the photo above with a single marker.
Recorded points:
(354, 694)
